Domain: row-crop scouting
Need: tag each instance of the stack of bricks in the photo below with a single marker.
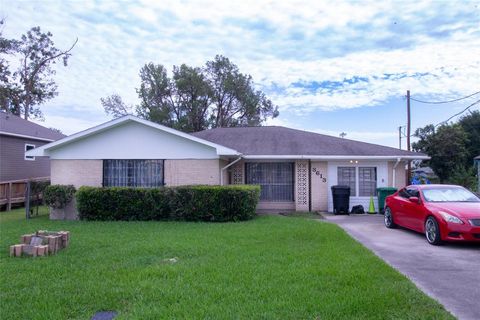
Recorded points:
(40, 243)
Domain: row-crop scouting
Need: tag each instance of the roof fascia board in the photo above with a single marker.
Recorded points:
(330, 157)
(4, 133)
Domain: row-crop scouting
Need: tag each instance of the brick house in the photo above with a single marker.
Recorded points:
(294, 168)
(17, 136)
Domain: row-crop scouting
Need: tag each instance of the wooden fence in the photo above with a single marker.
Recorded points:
(13, 192)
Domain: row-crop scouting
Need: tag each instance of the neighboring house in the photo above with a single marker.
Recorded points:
(424, 175)
(16, 137)
(294, 168)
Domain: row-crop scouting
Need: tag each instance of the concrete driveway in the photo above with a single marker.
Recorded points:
(449, 273)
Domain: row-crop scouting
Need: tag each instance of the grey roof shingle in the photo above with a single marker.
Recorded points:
(16, 125)
(274, 140)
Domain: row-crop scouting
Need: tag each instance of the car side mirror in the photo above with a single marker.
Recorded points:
(414, 199)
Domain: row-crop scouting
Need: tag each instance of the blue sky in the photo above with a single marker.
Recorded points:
(329, 66)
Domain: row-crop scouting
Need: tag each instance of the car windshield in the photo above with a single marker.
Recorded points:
(449, 195)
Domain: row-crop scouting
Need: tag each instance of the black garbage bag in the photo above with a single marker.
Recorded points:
(358, 209)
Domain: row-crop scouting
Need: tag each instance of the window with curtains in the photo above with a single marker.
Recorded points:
(367, 181)
(276, 179)
(347, 177)
(133, 173)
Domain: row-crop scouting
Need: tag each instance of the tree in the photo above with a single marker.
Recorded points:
(471, 125)
(194, 99)
(235, 100)
(114, 105)
(446, 146)
(32, 84)
(9, 91)
(155, 93)
(192, 93)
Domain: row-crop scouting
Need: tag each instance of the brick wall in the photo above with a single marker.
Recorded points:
(185, 172)
(319, 185)
(77, 172)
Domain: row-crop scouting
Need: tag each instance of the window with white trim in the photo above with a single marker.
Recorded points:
(347, 177)
(367, 181)
(27, 148)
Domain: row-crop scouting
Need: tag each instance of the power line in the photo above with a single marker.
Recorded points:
(448, 101)
(457, 114)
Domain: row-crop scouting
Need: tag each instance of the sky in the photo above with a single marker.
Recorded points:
(330, 66)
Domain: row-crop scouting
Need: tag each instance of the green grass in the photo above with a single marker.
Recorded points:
(303, 214)
(268, 268)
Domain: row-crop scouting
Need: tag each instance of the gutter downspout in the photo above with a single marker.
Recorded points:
(394, 170)
(227, 166)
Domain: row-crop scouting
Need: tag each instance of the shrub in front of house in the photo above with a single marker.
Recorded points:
(58, 196)
(214, 203)
(191, 203)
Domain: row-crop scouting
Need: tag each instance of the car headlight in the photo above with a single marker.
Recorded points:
(449, 218)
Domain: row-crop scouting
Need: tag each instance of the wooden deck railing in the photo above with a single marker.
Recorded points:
(13, 191)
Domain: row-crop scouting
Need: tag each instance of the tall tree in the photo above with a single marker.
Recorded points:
(9, 91)
(156, 97)
(194, 99)
(446, 146)
(235, 100)
(32, 83)
(471, 125)
(114, 105)
(192, 93)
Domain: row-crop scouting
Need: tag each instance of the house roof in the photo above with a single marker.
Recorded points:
(13, 125)
(477, 157)
(44, 150)
(281, 142)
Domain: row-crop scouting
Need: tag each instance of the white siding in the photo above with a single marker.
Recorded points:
(382, 180)
(133, 141)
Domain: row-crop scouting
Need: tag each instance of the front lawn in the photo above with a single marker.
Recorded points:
(267, 268)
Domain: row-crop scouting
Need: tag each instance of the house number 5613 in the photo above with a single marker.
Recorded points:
(319, 174)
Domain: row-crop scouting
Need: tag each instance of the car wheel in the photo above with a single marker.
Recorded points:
(432, 231)
(388, 218)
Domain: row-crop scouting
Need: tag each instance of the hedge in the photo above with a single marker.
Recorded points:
(191, 203)
(57, 195)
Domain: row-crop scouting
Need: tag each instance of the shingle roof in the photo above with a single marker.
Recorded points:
(274, 140)
(10, 123)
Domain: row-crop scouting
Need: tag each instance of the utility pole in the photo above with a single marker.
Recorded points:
(409, 166)
(400, 137)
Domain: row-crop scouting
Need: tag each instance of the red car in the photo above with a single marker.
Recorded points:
(442, 212)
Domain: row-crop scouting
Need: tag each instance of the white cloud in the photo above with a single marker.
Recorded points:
(430, 47)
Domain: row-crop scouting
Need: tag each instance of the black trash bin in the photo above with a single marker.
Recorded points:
(341, 199)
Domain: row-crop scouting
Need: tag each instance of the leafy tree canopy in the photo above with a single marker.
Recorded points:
(452, 148)
(194, 98)
(31, 84)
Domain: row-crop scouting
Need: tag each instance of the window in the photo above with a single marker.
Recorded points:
(409, 192)
(367, 181)
(133, 173)
(27, 148)
(404, 193)
(346, 177)
(413, 192)
(275, 179)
